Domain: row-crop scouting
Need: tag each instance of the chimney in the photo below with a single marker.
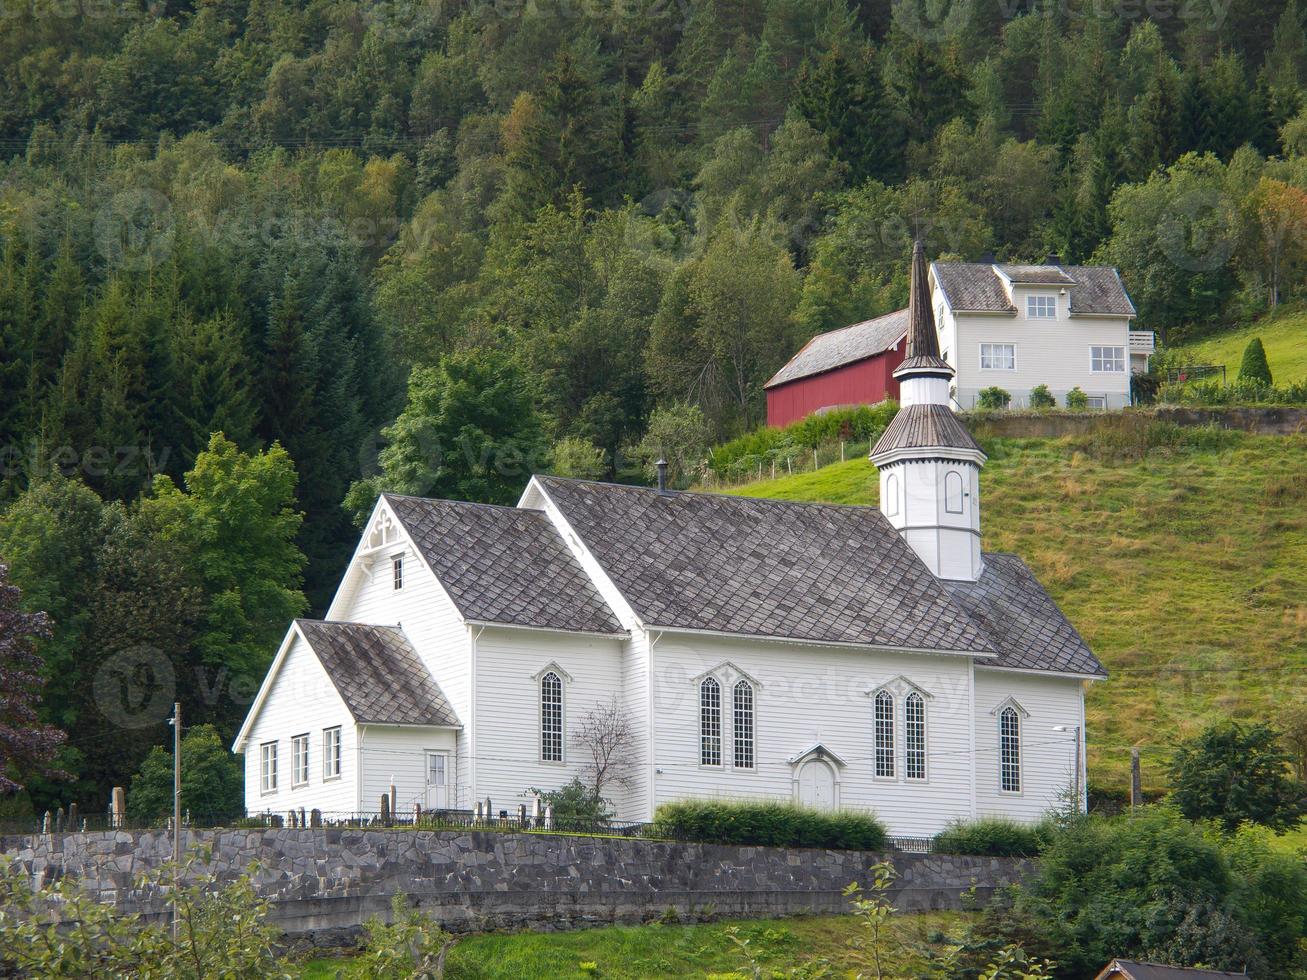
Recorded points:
(1053, 259)
(662, 475)
(987, 258)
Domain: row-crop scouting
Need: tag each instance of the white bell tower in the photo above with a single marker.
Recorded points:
(929, 463)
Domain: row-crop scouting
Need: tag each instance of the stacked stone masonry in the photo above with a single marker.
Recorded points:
(324, 883)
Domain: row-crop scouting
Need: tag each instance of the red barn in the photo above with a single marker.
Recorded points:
(850, 366)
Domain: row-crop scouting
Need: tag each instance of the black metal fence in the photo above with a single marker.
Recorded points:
(434, 820)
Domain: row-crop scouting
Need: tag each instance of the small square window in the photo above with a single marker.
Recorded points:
(998, 357)
(397, 567)
(1041, 307)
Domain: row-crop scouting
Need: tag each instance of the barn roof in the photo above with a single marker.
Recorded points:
(504, 565)
(976, 287)
(378, 674)
(836, 348)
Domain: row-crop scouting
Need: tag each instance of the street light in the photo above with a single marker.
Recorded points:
(1076, 730)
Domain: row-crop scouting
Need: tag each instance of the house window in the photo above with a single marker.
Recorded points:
(884, 731)
(397, 568)
(299, 760)
(914, 736)
(953, 492)
(436, 768)
(1097, 402)
(743, 731)
(331, 753)
(998, 357)
(710, 722)
(1107, 360)
(891, 494)
(1009, 737)
(551, 718)
(1041, 307)
(268, 767)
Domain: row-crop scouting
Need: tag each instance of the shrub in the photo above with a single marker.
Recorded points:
(1254, 369)
(575, 806)
(1076, 399)
(410, 945)
(993, 397)
(993, 837)
(1234, 774)
(213, 781)
(861, 423)
(1041, 397)
(768, 824)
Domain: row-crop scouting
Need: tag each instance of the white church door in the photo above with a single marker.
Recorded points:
(817, 785)
(437, 781)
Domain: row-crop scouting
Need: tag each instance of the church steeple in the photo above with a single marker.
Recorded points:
(929, 463)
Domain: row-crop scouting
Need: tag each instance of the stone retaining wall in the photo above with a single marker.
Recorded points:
(1264, 420)
(325, 883)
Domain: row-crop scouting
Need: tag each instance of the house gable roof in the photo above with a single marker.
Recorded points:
(378, 674)
(977, 287)
(1134, 970)
(847, 345)
(504, 565)
(765, 568)
(1022, 621)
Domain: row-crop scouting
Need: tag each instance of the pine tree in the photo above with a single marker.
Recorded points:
(1253, 369)
(843, 97)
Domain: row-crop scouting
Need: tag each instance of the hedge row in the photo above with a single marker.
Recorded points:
(856, 423)
(768, 825)
(994, 837)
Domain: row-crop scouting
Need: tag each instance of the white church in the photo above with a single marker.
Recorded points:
(840, 657)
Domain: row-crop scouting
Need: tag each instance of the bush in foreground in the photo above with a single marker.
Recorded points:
(993, 837)
(768, 824)
(1041, 397)
(993, 398)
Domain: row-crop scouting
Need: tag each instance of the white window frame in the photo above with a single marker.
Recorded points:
(1096, 403)
(1044, 301)
(1004, 768)
(907, 739)
(268, 767)
(744, 735)
(331, 753)
(299, 760)
(1098, 356)
(884, 744)
(443, 756)
(954, 475)
(545, 736)
(992, 355)
(892, 493)
(710, 723)
(397, 571)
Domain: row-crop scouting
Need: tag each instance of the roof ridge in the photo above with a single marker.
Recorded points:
(460, 503)
(717, 494)
(349, 622)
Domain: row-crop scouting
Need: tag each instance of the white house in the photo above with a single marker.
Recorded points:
(1020, 326)
(871, 659)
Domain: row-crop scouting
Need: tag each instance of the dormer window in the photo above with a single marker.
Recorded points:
(1041, 307)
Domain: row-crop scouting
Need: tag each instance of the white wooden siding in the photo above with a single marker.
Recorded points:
(807, 695)
(507, 723)
(1047, 757)
(401, 754)
(302, 700)
(430, 621)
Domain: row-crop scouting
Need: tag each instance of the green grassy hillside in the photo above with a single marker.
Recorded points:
(1184, 565)
(1284, 336)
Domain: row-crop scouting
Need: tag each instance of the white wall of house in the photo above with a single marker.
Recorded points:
(301, 701)
(809, 694)
(1047, 756)
(400, 754)
(1053, 352)
(429, 619)
(506, 714)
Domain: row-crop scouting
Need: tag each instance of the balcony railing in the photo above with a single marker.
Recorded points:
(1142, 342)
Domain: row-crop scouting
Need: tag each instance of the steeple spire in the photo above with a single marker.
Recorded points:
(921, 355)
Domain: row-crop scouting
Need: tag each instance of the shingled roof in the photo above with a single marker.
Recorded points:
(1134, 970)
(925, 426)
(504, 565)
(378, 674)
(757, 567)
(921, 356)
(847, 345)
(975, 287)
(1022, 621)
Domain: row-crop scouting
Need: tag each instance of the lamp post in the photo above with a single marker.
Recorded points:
(1075, 729)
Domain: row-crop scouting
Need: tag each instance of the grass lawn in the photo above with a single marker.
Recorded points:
(1186, 571)
(654, 951)
(1284, 335)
